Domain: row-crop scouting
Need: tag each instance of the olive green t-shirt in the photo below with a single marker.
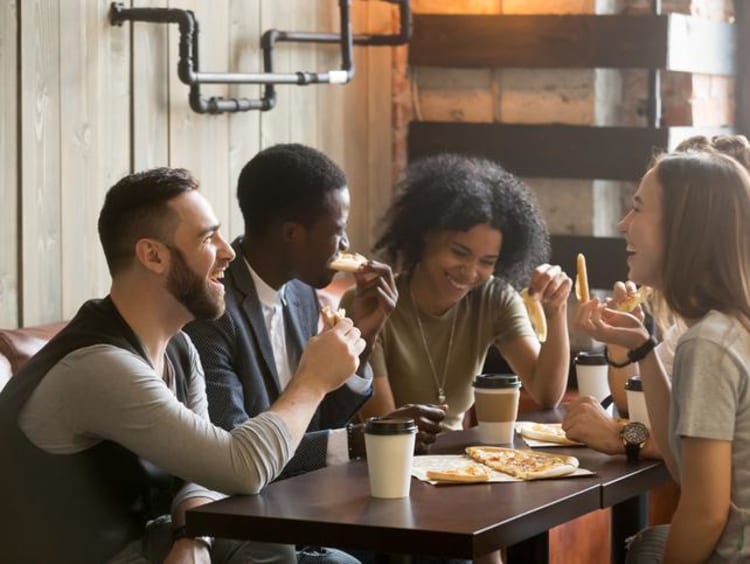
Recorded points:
(492, 313)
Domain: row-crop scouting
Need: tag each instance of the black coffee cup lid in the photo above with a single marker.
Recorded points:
(590, 358)
(634, 384)
(390, 426)
(497, 381)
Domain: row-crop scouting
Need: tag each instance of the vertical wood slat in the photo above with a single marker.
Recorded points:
(380, 156)
(8, 164)
(199, 142)
(150, 92)
(40, 146)
(354, 131)
(94, 102)
(275, 125)
(303, 119)
(244, 127)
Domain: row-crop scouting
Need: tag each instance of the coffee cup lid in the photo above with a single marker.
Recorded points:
(390, 426)
(590, 358)
(497, 381)
(634, 384)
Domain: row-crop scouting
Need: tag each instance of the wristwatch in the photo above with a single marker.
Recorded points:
(634, 435)
(181, 533)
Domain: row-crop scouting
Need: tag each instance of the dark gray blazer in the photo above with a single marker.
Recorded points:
(241, 378)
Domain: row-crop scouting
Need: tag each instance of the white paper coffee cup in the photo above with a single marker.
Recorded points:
(496, 403)
(592, 375)
(637, 410)
(389, 442)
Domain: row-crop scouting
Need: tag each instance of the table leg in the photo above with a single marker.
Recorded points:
(628, 517)
(534, 549)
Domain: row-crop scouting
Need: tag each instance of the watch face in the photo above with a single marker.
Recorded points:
(635, 433)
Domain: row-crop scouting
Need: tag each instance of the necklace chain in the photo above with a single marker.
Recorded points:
(439, 385)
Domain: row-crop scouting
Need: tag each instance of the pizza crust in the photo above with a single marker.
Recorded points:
(582, 279)
(547, 432)
(524, 464)
(348, 262)
(466, 474)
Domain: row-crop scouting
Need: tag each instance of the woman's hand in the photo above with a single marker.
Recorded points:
(610, 326)
(553, 287)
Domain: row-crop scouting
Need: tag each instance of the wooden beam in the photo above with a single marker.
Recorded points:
(670, 42)
(552, 151)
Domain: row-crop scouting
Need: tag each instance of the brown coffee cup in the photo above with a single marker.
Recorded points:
(496, 402)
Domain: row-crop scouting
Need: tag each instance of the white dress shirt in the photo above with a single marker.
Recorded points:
(273, 303)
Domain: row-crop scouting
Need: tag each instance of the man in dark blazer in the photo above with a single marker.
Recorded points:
(295, 205)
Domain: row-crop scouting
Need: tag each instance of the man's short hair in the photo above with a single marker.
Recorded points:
(136, 207)
(287, 182)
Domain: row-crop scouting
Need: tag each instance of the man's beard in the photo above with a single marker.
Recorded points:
(191, 290)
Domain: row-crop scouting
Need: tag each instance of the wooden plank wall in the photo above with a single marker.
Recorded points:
(82, 103)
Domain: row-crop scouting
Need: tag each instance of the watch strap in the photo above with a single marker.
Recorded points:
(182, 533)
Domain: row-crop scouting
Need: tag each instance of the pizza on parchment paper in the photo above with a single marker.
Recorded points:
(524, 464)
(547, 432)
(468, 474)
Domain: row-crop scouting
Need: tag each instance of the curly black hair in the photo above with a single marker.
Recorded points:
(286, 182)
(451, 192)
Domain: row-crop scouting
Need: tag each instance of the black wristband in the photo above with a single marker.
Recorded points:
(614, 364)
(356, 441)
(641, 352)
(634, 355)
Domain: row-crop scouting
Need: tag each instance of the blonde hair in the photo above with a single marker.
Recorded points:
(705, 199)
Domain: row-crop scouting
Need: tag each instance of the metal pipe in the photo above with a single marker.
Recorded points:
(653, 109)
(188, 66)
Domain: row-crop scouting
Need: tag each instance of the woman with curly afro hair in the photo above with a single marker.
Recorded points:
(465, 235)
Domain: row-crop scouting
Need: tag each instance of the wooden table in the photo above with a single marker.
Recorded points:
(332, 507)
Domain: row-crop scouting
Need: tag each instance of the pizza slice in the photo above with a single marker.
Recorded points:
(536, 315)
(348, 262)
(466, 474)
(330, 317)
(524, 464)
(632, 300)
(547, 432)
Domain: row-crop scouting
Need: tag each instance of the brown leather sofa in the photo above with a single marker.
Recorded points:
(19, 345)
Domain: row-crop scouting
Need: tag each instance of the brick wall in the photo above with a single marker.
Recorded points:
(572, 96)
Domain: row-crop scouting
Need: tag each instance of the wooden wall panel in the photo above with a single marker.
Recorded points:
(150, 84)
(8, 164)
(244, 128)
(40, 146)
(380, 154)
(94, 102)
(200, 142)
(275, 125)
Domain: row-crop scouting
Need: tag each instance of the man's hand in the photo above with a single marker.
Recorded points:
(553, 287)
(188, 551)
(587, 422)
(428, 418)
(374, 299)
(331, 357)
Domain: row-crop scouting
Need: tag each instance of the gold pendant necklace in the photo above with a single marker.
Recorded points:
(439, 385)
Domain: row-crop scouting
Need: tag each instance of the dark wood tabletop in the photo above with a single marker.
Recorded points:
(332, 507)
